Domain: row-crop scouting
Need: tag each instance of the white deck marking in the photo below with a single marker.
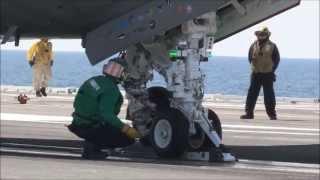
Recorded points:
(38, 118)
(34, 118)
(306, 139)
(277, 166)
(227, 127)
(271, 132)
(268, 127)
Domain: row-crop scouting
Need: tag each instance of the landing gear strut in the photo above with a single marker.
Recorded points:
(180, 125)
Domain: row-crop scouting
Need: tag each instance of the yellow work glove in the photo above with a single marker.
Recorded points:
(130, 132)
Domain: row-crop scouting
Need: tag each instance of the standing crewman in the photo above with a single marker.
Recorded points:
(96, 107)
(40, 58)
(264, 59)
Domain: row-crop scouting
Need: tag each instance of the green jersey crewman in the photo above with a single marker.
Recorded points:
(96, 107)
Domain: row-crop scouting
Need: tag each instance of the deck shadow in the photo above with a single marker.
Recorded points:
(283, 153)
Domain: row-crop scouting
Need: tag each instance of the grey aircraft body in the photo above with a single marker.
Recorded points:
(86, 19)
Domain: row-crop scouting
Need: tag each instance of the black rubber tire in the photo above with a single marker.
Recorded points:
(215, 121)
(160, 96)
(180, 132)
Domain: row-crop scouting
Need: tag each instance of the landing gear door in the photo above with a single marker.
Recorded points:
(142, 24)
(237, 15)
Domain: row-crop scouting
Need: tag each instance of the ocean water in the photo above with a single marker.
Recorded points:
(224, 75)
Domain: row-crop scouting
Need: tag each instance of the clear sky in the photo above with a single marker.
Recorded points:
(296, 33)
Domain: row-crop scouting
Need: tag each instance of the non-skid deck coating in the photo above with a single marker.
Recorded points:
(36, 145)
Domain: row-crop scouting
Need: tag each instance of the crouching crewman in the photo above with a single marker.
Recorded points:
(96, 107)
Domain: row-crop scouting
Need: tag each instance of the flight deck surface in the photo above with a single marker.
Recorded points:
(35, 144)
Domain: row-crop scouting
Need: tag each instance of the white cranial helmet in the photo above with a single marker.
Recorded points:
(113, 68)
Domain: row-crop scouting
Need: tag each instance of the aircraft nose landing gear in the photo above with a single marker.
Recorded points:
(181, 126)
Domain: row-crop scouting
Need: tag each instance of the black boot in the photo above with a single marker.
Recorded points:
(247, 116)
(38, 94)
(92, 152)
(43, 91)
(272, 114)
(273, 117)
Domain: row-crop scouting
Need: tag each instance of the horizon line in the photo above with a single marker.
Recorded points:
(82, 51)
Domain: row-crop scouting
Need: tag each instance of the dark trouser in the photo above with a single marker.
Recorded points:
(266, 81)
(104, 136)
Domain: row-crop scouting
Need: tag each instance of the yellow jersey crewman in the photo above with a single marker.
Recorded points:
(40, 58)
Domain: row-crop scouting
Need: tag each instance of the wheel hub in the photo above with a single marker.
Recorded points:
(163, 133)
